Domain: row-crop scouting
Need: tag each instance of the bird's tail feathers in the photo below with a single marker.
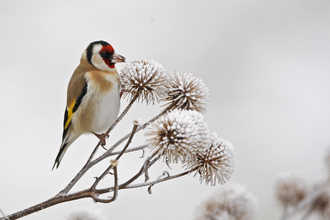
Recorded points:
(64, 146)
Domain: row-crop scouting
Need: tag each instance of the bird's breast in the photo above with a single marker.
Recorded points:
(100, 106)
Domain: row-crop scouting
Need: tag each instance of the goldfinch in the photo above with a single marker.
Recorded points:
(93, 96)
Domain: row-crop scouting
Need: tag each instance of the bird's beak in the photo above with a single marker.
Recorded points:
(116, 58)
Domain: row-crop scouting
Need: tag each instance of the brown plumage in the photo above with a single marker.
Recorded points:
(92, 96)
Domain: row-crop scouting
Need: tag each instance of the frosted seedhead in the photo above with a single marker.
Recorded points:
(215, 162)
(185, 91)
(178, 135)
(146, 79)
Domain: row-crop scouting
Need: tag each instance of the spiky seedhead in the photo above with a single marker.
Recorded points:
(231, 203)
(186, 91)
(146, 79)
(215, 162)
(290, 189)
(178, 135)
(321, 205)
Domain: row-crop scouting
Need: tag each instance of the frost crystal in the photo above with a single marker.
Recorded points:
(215, 163)
(178, 135)
(185, 91)
(146, 79)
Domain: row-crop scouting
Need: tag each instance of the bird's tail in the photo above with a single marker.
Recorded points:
(64, 146)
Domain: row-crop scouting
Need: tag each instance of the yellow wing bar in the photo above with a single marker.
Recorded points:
(69, 114)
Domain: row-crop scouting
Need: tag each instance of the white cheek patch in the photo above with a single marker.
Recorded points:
(97, 60)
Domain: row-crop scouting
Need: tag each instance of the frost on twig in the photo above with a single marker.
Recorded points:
(179, 133)
(164, 174)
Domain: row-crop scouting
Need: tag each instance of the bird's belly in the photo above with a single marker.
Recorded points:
(97, 113)
(106, 112)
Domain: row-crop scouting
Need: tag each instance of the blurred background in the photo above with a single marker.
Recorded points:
(266, 64)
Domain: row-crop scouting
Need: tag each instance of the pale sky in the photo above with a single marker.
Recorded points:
(266, 64)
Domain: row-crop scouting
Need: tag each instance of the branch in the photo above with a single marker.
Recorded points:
(114, 163)
(115, 192)
(131, 149)
(63, 195)
(307, 201)
(88, 164)
(127, 185)
(48, 203)
(108, 153)
(159, 180)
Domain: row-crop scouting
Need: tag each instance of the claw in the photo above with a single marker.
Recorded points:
(102, 137)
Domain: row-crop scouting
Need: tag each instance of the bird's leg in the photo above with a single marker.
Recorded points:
(102, 137)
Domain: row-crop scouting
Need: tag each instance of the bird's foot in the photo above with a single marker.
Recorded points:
(102, 137)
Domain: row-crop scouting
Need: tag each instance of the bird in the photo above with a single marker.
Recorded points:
(93, 96)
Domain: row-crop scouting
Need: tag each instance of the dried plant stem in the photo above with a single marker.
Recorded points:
(1, 212)
(138, 185)
(307, 214)
(146, 165)
(285, 210)
(115, 191)
(92, 192)
(109, 152)
(89, 163)
(127, 184)
(114, 163)
(131, 149)
(307, 201)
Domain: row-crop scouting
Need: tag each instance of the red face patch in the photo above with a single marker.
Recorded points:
(106, 53)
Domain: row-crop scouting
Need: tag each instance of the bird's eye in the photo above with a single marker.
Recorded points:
(103, 54)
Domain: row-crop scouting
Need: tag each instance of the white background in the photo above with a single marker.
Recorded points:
(266, 64)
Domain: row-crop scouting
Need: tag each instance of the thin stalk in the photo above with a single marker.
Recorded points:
(138, 185)
(117, 158)
(307, 201)
(89, 163)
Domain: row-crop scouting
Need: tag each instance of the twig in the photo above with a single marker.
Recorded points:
(108, 153)
(50, 202)
(142, 170)
(115, 192)
(89, 163)
(138, 185)
(115, 162)
(308, 200)
(131, 149)
(165, 173)
(122, 114)
(129, 141)
(114, 125)
(4, 215)
(63, 195)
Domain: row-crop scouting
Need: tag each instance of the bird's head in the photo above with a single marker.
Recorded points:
(102, 55)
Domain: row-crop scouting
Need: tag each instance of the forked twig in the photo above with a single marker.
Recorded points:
(92, 192)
